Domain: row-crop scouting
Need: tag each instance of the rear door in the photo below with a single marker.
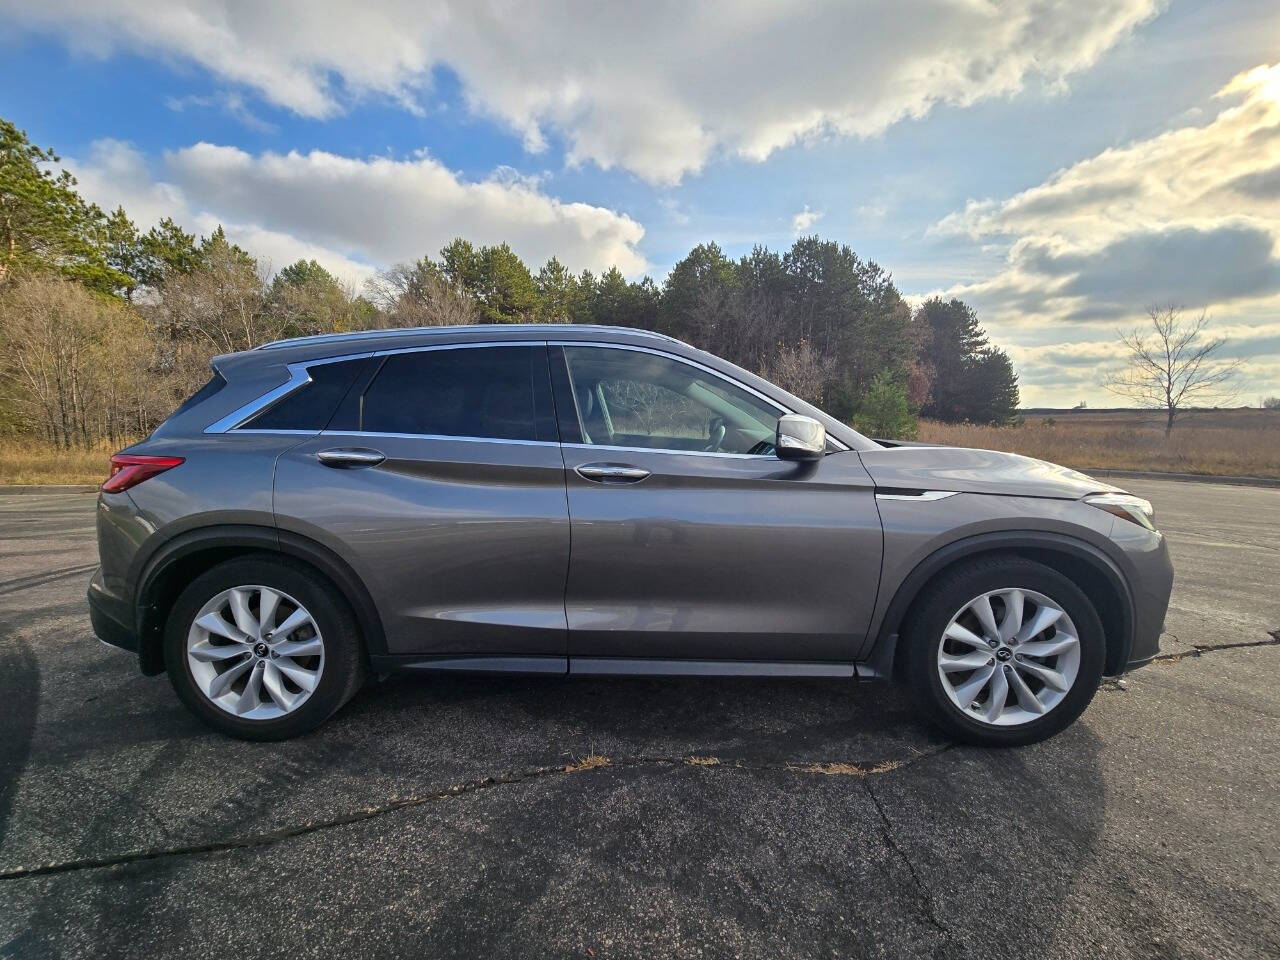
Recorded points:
(440, 480)
(691, 540)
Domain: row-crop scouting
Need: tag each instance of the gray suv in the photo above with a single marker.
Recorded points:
(598, 501)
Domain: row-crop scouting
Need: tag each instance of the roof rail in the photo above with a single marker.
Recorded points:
(357, 335)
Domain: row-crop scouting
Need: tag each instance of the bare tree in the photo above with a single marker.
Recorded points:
(1174, 365)
(800, 369)
(416, 295)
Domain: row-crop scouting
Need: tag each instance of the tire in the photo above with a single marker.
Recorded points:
(323, 652)
(934, 657)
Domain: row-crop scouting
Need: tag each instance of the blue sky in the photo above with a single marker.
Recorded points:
(1058, 165)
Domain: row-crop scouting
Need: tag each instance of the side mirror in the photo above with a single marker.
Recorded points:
(800, 438)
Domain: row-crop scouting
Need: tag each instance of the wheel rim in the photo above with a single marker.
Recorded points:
(255, 652)
(1009, 657)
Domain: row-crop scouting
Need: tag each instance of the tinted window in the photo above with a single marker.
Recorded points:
(630, 398)
(463, 392)
(310, 406)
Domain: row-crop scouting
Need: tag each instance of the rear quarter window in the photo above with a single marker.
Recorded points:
(312, 405)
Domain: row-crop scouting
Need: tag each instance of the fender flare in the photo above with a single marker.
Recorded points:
(247, 537)
(880, 658)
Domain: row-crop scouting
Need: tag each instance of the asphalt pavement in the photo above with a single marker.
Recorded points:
(514, 817)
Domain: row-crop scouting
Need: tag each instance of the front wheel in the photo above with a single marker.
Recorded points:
(1004, 652)
(262, 649)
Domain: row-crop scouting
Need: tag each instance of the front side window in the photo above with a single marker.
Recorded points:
(628, 398)
(485, 392)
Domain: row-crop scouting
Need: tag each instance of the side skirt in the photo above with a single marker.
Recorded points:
(624, 667)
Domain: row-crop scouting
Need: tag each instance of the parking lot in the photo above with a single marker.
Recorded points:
(740, 818)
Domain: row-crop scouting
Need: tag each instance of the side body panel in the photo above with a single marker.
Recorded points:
(721, 557)
(463, 544)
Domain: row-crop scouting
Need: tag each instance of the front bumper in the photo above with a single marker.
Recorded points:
(1152, 586)
(112, 618)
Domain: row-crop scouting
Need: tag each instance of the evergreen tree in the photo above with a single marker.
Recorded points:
(44, 223)
(971, 380)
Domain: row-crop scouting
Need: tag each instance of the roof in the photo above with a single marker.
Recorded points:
(546, 329)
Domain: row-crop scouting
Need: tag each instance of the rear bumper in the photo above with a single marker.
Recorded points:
(112, 619)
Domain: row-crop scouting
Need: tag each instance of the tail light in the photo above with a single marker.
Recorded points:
(130, 469)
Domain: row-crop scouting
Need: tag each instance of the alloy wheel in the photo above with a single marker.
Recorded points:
(1008, 657)
(255, 652)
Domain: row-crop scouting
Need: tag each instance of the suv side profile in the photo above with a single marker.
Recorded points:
(568, 499)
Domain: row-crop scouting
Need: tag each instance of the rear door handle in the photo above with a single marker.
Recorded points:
(612, 473)
(346, 458)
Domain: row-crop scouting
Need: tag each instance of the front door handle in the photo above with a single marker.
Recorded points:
(346, 458)
(612, 473)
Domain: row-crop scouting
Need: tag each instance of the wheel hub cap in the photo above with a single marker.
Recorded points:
(255, 652)
(1008, 657)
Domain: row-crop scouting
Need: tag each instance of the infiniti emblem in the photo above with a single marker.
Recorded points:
(1003, 654)
(260, 649)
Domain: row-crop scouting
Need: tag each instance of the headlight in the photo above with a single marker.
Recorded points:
(1125, 506)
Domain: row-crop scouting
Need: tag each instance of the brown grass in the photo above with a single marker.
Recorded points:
(846, 769)
(36, 461)
(1218, 443)
(587, 763)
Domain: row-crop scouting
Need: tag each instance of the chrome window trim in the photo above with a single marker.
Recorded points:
(299, 377)
(686, 453)
(693, 363)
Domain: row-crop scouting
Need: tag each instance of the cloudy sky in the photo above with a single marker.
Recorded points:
(1059, 164)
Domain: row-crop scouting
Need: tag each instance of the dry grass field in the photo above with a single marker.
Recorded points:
(1242, 442)
(35, 461)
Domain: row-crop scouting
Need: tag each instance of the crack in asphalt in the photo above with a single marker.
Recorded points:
(1200, 649)
(860, 769)
(1197, 650)
(928, 906)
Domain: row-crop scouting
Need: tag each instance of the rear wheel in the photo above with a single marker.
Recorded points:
(1004, 652)
(261, 648)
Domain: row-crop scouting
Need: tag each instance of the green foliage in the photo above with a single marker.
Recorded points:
(166, 249)
(884, 411)
(302, 273)
(971, 380)
(45, 225)
(495, 277)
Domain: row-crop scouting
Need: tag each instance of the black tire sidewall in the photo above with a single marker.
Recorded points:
(924, 631)
(337, 628)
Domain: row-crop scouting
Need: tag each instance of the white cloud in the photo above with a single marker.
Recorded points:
(658, 88)
(805, 219)
(1191, 215)
(354, 215)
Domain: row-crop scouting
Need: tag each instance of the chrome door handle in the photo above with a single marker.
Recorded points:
(348, 457)
(611, 473)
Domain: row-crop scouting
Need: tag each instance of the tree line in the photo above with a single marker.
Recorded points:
(104, 328)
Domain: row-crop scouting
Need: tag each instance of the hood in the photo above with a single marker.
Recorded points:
(977, 471)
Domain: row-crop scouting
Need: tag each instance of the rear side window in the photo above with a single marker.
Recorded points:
(486, 392)
(311, 405)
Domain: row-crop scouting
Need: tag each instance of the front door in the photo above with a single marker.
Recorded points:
(691, 540)
(441, 482)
